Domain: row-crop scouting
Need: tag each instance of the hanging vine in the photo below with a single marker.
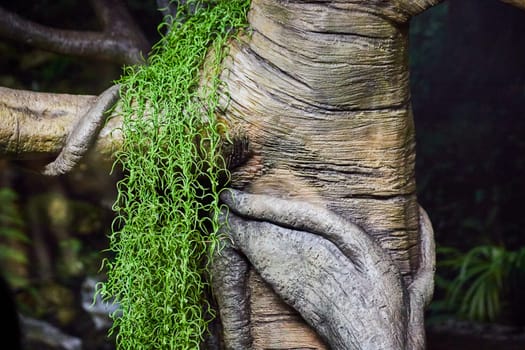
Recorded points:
(168, 199)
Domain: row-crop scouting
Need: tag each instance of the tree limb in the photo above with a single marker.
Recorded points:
(84, 133)
(120, 41)
(35, 125)
(421, 289)
(335, 275)
(229, 275)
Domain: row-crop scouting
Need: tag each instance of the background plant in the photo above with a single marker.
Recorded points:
(167, 203)
(480, 284)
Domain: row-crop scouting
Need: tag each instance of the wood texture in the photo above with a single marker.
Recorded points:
(272, 316)
(35, 125)
(328, 119)
(321, 89)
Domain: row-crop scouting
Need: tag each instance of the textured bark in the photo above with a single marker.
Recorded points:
(342, 283)
(321, 90)
(84, 133)
(328, 117)
(320, 264)
(35, 125)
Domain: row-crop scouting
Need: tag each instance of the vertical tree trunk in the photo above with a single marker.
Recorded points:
(322, 92)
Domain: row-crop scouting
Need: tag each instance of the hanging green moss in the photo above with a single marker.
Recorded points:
(168, 201)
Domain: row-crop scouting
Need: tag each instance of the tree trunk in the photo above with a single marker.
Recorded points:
(322, 91)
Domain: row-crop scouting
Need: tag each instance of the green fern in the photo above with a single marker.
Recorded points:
(168, 200)
(481, 279)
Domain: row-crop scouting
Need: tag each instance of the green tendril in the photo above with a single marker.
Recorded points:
(168, 200)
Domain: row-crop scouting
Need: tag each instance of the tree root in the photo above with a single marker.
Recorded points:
(334, 274)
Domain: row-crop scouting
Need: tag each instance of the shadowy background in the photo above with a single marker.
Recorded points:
(468, 94)
(467, 61)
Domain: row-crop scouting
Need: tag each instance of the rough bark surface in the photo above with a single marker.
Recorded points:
(36, 125)
(84, 133)
(321, 90)
(327, 114)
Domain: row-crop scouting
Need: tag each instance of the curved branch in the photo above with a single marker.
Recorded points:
(120, 41)
(84, 133)
(35, 125)
(350, 292)
(348, 237)
(421, 289)
(229, 273)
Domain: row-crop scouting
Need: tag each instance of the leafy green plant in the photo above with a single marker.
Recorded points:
(482, 279)
(168, 200)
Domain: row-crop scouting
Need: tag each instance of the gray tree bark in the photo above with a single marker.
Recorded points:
(322, 90)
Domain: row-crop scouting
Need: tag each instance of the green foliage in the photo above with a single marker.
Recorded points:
(12, 235)
(168, 200)
(481, 279)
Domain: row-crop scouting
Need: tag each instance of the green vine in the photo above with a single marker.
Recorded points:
(168, 200)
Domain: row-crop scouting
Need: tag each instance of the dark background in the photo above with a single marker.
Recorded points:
(468, 93)
(467, 63)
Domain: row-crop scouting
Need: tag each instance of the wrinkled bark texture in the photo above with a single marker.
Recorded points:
(321, 90)
(332, 272)
(333, 250)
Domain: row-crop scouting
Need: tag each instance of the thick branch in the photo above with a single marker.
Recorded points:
(84, 133)
(338, 278)
(35, 125)
(120, 41)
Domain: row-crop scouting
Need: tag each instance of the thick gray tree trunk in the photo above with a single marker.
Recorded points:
(322, 91)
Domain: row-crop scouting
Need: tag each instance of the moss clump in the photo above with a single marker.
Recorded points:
(168, 201)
